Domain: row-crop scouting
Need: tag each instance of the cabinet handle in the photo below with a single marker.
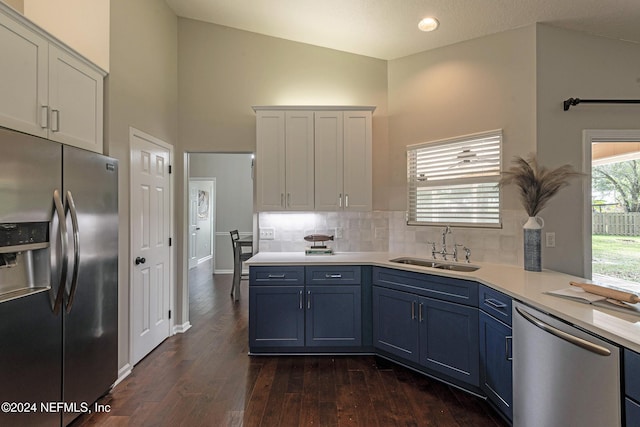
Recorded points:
(346, 200)
(340, 200)
(44, 116)
(308, 300)
(56, 121)
(507, 348)
(495, 303)
(333, 276)
(300, 300)
(288, 200)
(276, 276)
(420, 312)
(282, 200)
(413, 310)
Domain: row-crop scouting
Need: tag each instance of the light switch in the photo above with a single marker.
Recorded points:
(550, 239)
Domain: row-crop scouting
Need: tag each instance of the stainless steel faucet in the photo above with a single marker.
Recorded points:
(443, 251)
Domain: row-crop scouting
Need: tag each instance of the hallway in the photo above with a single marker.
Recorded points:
(204, 377)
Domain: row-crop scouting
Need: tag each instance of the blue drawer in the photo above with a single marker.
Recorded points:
(276, 275)
(428, 285)
(632, 413)
(333, 275)
(495, 303)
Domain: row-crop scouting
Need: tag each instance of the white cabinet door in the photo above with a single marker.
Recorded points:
(23, 78)
(299, 164)
(329, 160)
(76, 101)
(270, 160)
(357, 160)
(47, 90)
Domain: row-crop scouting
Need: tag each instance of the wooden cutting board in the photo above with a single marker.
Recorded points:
(606, 292)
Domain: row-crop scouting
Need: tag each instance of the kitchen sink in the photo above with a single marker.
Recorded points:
(415, 261)
(435, 264)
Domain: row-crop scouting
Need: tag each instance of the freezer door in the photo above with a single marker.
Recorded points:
(30, 170)
(91, 307)
(30, 361)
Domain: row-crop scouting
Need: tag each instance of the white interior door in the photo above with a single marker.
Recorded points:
(150, 250)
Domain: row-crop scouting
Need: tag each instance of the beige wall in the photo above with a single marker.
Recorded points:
(81, 24)
(577, 65)
(16, 4)
(224, 71)
(141, 91)
(474, 86)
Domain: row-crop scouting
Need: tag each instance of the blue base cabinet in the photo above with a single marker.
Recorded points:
(439, 335)
(277, 318)
(333, 316)
(496, 361)
(301, 309)
(449, 339)
(395, 329)
(631, 388)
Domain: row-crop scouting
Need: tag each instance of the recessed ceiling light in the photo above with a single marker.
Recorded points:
(428, 24)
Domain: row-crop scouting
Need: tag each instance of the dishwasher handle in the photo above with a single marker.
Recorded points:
(587, 345)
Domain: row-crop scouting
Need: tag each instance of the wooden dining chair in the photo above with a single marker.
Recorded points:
(240, 255)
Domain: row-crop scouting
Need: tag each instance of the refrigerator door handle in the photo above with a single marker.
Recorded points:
(56, 301)
(76, 250)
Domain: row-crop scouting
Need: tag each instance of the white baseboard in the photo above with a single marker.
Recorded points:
(223, 271)
(123, 373)
(181, 329)
(205, 259)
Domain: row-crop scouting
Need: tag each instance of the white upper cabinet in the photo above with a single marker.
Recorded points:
(313, 158)
(284, 160)
(75, 101)
(48, 90)
(343, 146)
(23, 78)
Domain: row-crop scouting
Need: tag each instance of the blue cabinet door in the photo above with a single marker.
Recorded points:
(333, 316)
(496, 376)
(276, 316)
(395, 325)
(449, 339)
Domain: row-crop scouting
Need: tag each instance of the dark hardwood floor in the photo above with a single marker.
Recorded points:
(205, 377)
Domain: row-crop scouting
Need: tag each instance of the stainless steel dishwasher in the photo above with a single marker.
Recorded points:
(562, 376)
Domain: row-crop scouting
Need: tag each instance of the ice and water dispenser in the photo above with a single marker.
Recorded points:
(24, 259)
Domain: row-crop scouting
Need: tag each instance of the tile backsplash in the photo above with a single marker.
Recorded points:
(387, 231)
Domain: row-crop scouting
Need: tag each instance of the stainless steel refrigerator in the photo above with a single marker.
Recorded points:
(58, 279)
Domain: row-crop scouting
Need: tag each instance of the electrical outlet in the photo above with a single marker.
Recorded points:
(267, 233)
(338, 233)
(550, 238)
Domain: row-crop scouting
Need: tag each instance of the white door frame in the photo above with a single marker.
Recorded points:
(213, 215)
(133, 132)
(590, 136)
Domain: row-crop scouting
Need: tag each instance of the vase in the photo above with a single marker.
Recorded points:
(533, 243)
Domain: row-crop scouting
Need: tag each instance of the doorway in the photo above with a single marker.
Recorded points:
(232, 208)
(202, 196)
(612, 223)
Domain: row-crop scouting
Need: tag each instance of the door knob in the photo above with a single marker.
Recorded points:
(140, 260)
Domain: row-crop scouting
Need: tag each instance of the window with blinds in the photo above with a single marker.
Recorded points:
(454, 181)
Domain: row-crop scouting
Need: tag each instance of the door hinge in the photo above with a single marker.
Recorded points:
(170, 241)
(169, 314)
(169, 168)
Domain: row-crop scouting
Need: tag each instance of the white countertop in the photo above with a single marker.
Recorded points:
(525, 286)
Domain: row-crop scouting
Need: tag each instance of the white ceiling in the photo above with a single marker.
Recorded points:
(387, 29)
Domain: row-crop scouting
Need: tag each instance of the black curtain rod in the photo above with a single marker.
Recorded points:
(575, 101)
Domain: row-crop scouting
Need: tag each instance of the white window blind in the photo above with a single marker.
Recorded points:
(454, 181)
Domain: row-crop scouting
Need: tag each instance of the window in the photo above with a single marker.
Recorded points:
(454, 181)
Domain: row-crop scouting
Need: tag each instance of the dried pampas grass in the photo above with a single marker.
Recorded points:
(536, 184)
